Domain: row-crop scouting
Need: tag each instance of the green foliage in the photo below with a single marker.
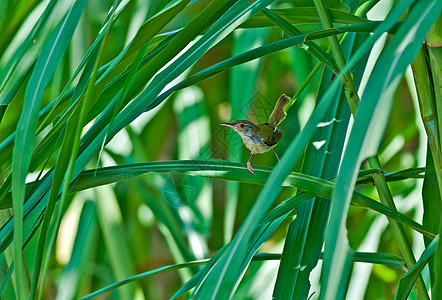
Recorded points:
(115, 176)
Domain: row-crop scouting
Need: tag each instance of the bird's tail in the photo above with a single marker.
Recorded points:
(278, 114)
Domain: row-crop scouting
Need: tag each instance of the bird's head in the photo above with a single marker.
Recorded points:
(243, 127)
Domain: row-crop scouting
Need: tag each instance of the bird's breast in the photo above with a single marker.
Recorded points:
(255, 144)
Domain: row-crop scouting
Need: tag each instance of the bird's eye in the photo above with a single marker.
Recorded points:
(241, 125)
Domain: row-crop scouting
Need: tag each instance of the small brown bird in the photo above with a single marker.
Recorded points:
(262, 137)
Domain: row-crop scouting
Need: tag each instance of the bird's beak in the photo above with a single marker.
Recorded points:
(228, 125)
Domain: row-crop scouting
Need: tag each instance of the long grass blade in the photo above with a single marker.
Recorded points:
(82, 253)
(337, 248)
(375, 258)
(45, 66)
(408, 280)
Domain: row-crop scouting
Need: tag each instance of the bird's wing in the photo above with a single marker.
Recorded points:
(274, 138)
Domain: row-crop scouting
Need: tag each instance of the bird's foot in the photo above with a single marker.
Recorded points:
(249, 167)
(275, 153)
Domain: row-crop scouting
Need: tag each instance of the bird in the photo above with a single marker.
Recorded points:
(262, 137)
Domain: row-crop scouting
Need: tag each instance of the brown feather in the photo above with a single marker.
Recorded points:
(278, 115)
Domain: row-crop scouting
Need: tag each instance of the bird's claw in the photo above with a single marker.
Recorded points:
(275, 153)
(249, 167)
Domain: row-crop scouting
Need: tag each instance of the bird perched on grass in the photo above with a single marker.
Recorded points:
(262, 137)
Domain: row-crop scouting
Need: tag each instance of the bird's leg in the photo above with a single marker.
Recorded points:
(275, 153)
(249, 165)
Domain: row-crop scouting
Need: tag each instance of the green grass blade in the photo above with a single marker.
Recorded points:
(227, 171)
(145, 274)
(305, 236)
(59, 172)
(236, 172)
(219, 30)
(111, 224)
(145, 33)
(6, 279)
(385, 259)
(19, 11)
(266, 50)
(75, 270)
(374, 258)
(224, 276)
(258, 238)
(3, 108)
(373, 114)
(49, 116)
(72, 139)
(123, 95)
(49, 113)
(408, 280)
(44, 68)
(432, 208)
(303, 15)
(59, 175)
(242, 88)
(309, 46)
(220, 67)
(11, 77)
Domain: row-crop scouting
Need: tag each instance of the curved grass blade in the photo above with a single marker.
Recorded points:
(48, 114)
(211, 71)
(44, 187)
(11, 78)
(260, 235)
(82, 251)
(309, 46)
(304, 239)
(111, 224)
(303, 15)
(8, 28)
(146, 32)
(44, 68)
(407, 281)
(110, 19)
(237, 172)
(60, 173)
(7, 278)
(123, 95)
(371, 120)
(395, 176)
(221, 281)
(242, 97)
(266, 50)
(219, 30)
(432, 210)
(224, 26)
(386, 259)
(145, 274)
(3, 108)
